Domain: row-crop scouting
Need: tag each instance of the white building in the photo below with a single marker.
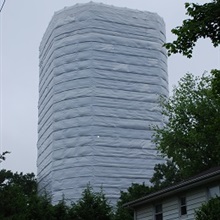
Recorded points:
(102, 70)
(179, 201)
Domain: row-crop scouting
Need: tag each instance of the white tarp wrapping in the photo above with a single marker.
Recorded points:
(102, 69)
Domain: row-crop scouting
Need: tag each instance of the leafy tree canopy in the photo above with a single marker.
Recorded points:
(191, 137)
(192, 112)
(209, 210)
(2, 156)
(165, 175)
(204, 22)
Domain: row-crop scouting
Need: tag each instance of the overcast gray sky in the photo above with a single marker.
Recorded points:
(22, 24)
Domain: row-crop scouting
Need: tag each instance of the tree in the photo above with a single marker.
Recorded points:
(165, 175)
(135, 191)
(19, 199)
(192, 111)
(61, 211)
(209, 210)
(204, 22)
(15, 193)
(40, 208)
(216, 83)
(2, 156)
(92, 206)
(191, 137)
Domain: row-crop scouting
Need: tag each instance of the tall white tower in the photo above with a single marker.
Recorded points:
(102, 69)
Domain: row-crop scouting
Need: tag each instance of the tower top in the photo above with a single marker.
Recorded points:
(91, 11)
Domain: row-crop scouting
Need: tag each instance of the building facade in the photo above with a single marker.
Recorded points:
(102, 70)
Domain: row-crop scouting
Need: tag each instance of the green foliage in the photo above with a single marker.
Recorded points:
(15, 193)
(209, 210)
(19, 201)
(165, 175)
(135, 191)
(2, 156)
(192, 112)
(61, 211)
(92, 206)
(216, 83)
(40, 208)
(204, 22)
(192, 130)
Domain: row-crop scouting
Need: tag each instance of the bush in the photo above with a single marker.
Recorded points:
(209, 210)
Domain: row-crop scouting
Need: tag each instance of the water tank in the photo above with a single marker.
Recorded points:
(102, 70)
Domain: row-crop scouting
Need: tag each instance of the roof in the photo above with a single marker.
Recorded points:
(198, 180)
